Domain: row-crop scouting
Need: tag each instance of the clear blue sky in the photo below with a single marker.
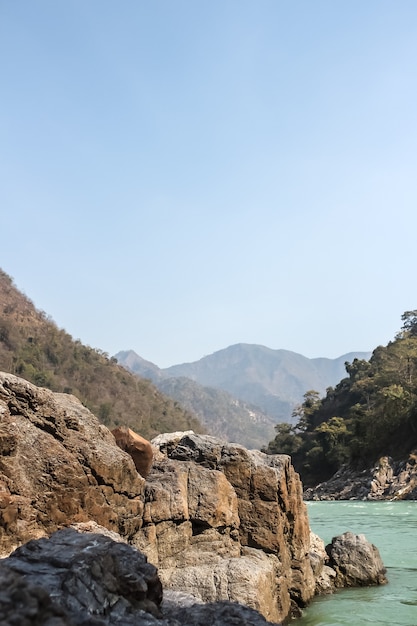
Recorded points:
(178, 176)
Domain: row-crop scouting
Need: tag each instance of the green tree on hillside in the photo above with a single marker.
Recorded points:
(306, 410)
(286, 441)
(371, 412)
(409, 319)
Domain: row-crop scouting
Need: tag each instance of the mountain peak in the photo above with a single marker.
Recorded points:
(272, 382)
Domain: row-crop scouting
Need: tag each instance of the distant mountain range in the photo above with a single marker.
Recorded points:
(241, 392)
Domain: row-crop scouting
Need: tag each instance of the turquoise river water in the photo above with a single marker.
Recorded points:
(392, 527)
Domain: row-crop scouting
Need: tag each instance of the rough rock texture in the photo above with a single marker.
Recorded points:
(357, 562)
(220, 614)
(225, 523)
(324, 575)
(348, 561)
(220, 522)
(76, 579)
(24, 604)
(90, 575)
(387, 480)
(58, 465)
(139, 448)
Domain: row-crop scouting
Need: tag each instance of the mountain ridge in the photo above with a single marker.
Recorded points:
(221, 413)
(268, 382)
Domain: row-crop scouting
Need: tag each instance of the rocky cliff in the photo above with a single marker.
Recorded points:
(204, 494)
(220, 523)
(87, 576)
(59, 465)
(386, 480)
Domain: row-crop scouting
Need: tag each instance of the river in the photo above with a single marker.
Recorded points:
(392, 527)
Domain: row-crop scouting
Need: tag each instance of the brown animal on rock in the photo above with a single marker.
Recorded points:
(139, 448)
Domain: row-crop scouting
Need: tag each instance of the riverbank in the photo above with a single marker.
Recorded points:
(386, 480)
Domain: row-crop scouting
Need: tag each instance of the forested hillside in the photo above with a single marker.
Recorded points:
(370, 413)
(33, 347)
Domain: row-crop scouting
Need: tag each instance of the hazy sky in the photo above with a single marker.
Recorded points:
(177, 176)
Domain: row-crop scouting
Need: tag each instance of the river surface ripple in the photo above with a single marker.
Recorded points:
(392, 527)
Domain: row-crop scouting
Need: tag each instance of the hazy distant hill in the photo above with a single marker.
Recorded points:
(33, 347)
(242, 391)
(274, 380)
(138, 365)
(222, 414)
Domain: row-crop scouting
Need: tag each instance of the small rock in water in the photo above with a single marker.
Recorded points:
(356, 561)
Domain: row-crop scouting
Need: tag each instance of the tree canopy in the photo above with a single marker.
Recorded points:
(370, 413)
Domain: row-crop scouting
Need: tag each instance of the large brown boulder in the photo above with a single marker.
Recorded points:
(139, 448)
(59, 465)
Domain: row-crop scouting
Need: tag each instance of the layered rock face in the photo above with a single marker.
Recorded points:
(92, 578)
(220, 523)
(387, 480)
(226, 523)
(58, 465)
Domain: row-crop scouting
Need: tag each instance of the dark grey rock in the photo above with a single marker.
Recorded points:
(385, 480)
(88, 579)
(220, 614)
(202, 449)
(24, 604)
(93, 579)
